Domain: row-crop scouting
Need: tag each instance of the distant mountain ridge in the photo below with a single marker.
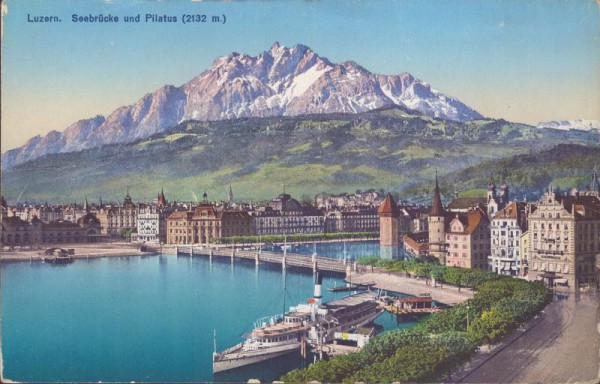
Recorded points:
(565, 125)
(279, 82)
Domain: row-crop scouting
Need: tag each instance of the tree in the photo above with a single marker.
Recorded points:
(437, 274)
(491, 326)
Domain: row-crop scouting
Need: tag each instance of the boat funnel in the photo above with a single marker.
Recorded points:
(318, 284)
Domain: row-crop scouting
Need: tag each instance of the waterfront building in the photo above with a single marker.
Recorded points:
(116, 220)
(285, 215)
(416, 244)
(16, 232)
(564, 240)
(506, 229)
(180, 228)
(468, 240)
(206, 224)
(152, 220)
(211, 225)
(355, 220)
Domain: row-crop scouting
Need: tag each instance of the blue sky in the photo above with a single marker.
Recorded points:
(525, 61)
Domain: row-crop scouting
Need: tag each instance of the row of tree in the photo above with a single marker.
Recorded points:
(443, 341)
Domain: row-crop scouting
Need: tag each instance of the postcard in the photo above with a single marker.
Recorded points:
(332, 191)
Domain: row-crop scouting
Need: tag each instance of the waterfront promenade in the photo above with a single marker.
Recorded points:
(82, 251)
(446, 294)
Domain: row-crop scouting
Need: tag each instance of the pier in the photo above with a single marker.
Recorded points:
(285, 259)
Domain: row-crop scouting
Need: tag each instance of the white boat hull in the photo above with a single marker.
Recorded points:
(242, 358)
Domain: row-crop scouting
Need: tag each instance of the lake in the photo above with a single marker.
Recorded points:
(143, 318)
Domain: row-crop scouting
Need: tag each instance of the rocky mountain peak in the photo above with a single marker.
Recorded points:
(279, 82)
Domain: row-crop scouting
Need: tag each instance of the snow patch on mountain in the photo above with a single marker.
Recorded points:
(567, 125)
(279, 82)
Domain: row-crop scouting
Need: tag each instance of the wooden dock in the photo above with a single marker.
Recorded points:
(288, 259)
(408, 311)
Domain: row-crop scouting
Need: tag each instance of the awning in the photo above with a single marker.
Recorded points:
(561, 281)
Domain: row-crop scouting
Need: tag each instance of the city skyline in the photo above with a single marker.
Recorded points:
(526, 62)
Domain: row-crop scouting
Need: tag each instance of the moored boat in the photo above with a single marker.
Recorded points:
(312, 323)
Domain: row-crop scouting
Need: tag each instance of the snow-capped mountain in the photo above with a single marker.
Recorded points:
(279, 82)
(567, 125)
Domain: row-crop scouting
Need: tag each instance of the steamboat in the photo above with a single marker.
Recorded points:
(313, 323)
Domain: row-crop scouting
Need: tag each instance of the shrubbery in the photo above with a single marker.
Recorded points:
(441, 342)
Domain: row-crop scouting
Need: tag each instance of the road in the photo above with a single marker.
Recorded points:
(561, 348)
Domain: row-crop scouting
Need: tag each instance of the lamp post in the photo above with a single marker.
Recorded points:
(467, 317)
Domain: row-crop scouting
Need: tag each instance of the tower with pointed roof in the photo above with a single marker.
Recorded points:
(437, 226)
(162, 200)
(595, 184)
(389, 241)
(230, 195)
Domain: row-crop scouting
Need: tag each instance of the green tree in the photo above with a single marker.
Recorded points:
(491, 326)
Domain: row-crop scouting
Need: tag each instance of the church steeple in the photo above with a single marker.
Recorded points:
(162, 201)
(437, 209)
(595, 185)
(230, 195)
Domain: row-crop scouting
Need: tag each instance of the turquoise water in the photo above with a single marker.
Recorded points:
(138, 318)
(353, 249)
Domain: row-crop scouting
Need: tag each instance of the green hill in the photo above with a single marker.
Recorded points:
(389, 148)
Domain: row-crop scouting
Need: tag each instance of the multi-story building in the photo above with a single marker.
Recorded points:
(285, 215)
(412, 220)
(48, 213)
(506, 229)
(152, 220)
(180, 228)
(17, 232)
(115, 220)
(525, 253)
(564, 240)
(468, 240)
(206, 224)
(356, 220)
